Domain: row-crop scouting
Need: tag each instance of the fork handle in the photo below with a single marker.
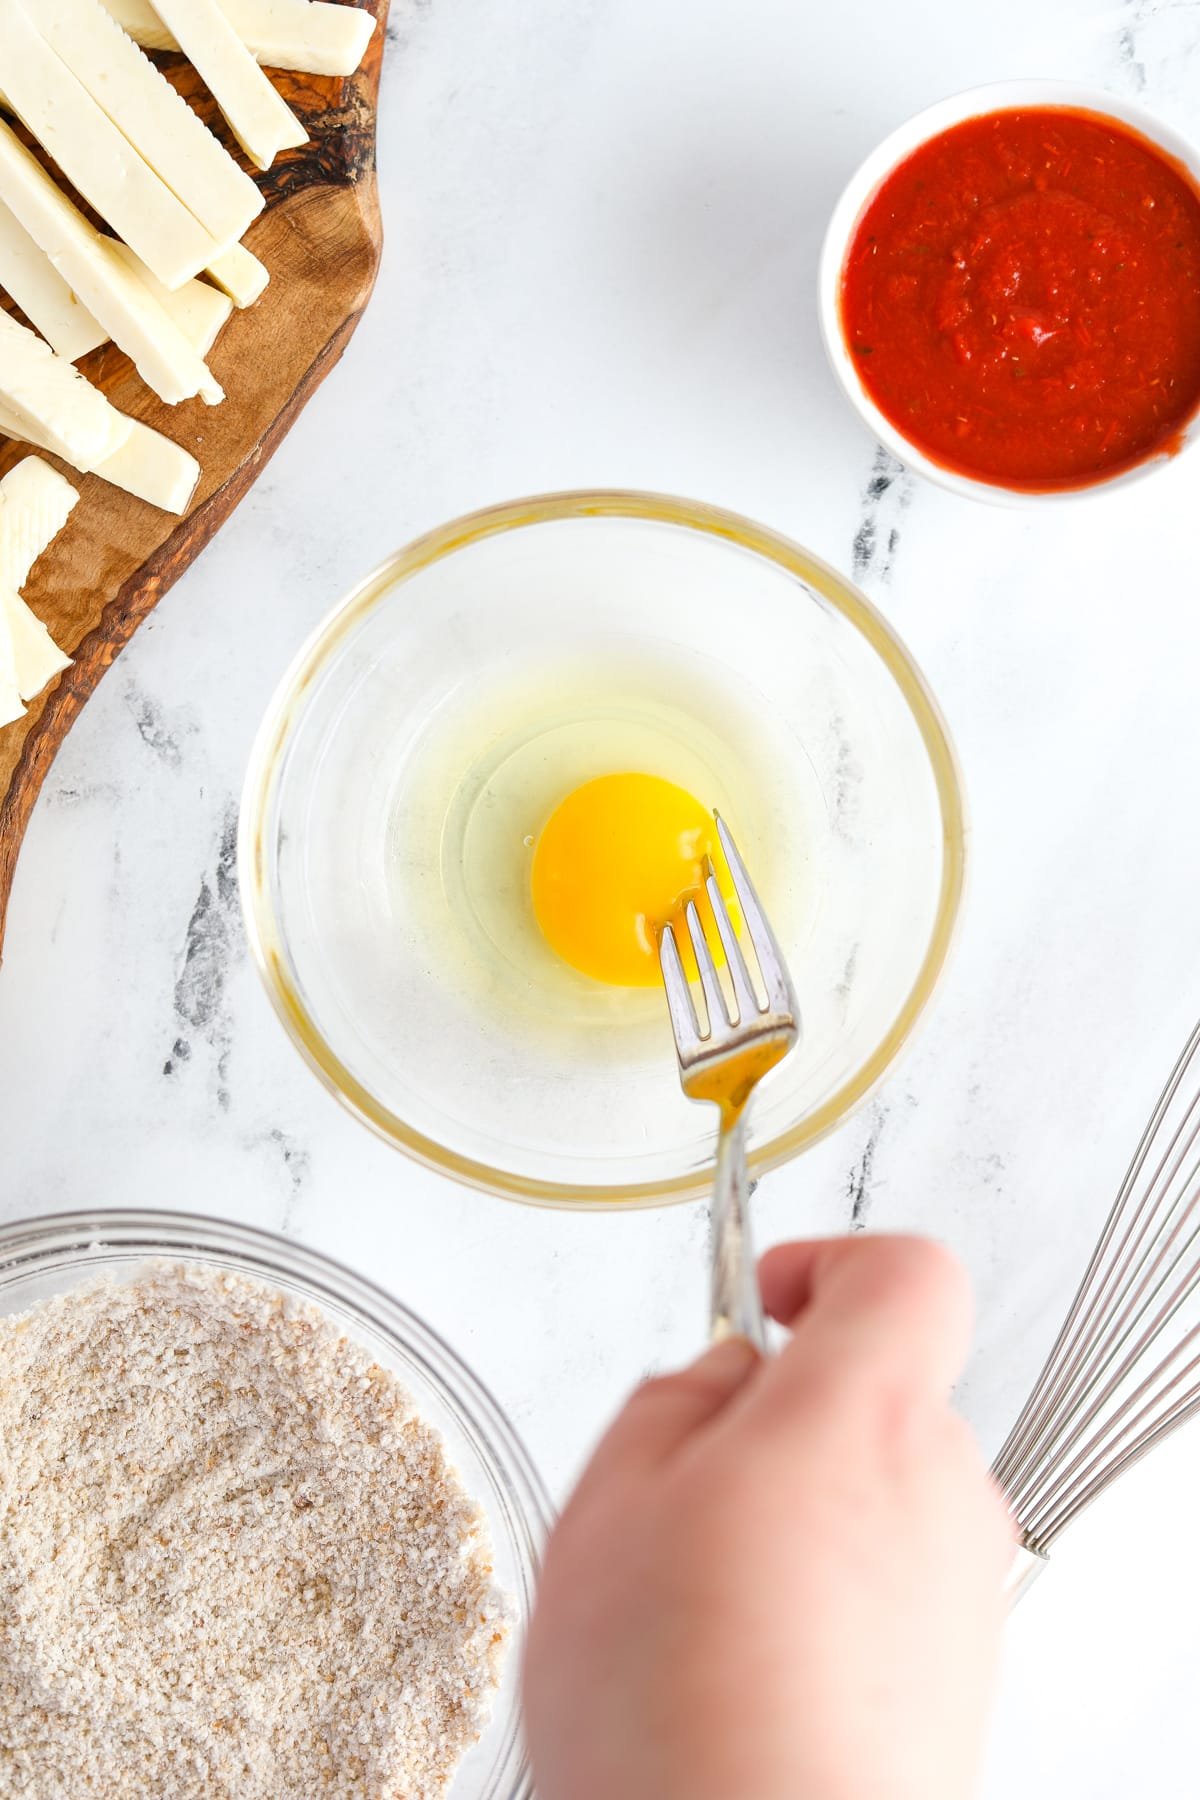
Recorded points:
(736, 1302)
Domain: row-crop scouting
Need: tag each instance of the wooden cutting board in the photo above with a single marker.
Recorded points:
(321, 240)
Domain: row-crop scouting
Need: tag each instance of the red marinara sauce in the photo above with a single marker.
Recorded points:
(1021, 298)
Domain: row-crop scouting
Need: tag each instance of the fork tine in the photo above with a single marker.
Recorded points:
(679, 998)
(781, 995)
(710, 981)
(748, 1005)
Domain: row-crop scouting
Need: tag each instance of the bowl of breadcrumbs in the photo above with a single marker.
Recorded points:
(262, 1535)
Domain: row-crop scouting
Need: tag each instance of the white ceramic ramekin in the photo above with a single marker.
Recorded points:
(861, 189)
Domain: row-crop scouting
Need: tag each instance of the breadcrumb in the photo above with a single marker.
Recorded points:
(233, 1560)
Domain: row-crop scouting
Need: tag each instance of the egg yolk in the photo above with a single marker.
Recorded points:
(618, 859)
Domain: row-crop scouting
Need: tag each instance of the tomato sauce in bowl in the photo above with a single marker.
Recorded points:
(1021, 298)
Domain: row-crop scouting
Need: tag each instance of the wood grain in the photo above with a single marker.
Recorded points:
(321, 240)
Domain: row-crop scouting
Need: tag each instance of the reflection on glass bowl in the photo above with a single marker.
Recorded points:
(427, 730)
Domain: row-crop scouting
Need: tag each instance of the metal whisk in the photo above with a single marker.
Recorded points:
(1125, 1370)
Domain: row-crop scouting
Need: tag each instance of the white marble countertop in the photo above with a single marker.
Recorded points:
(602, 225)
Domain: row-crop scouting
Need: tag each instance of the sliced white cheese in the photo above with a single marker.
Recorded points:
(10, 695)
(199, 309)
(10, 700)
(27, 273)
(47, 392)
(95, 157)
(313, 36)
(37, 659)
(13, 425)
(201, 312)
(140, 20)
(259, 117)
(152, 467)
(147, 464)
(310, 35)
(146, 109)
(240, 274)
(85, 259)
(35, 503)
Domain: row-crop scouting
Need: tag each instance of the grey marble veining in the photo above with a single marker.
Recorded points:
(602, 225)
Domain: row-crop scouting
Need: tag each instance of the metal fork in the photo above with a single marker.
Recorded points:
(721, 1059)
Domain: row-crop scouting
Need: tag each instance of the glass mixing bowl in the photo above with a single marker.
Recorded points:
(46, 1256)
(429, 726)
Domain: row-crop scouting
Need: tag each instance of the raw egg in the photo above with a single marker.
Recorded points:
(619, 858)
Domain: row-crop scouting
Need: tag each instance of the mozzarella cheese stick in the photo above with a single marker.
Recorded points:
(199, 309)
(314, 37)
(11, 705)
(37, 659)
(147, 464)
(95, 157)
(85, 259)
(152, 467)
(47, 392)
(10, 700)
(259, 118)
(140, 20)
(35, 503)
(13, 425)
(309, 35)
(27, 273)
(240, 274)
(146, 109)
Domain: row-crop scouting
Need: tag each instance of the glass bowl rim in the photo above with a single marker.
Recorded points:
(266, 939)
(48, 1240)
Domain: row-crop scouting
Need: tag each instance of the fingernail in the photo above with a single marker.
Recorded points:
(729, 1363)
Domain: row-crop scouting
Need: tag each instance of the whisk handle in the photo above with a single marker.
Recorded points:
(1027, 1565)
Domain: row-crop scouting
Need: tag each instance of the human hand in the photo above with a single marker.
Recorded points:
(782, 1580)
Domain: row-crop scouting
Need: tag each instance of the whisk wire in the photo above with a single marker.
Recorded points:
(1124, 1370)
(1053, 1526)
(1110, 1440)
(1115, 1343)
(1071, 1347)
